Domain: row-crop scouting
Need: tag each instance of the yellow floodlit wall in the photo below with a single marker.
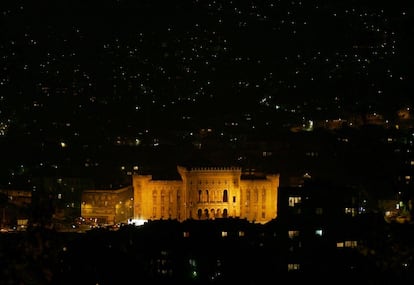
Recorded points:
(206, 193)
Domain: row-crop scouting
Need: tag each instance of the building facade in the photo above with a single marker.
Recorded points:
(206, 193)
(107, 206)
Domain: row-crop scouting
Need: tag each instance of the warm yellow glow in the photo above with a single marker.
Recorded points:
(220, 195)
(137, 222)
(293, 266)
(340, 244)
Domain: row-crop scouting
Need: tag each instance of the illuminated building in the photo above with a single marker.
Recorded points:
(107, 206)
(201, 193)
(206, 193)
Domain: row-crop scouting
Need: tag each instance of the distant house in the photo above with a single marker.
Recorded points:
(14, 206)
(107, 206)
(19, 198)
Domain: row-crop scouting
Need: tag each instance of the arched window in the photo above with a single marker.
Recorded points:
(162, 197)
(199, 196)
(206, 213)
(207, 198)
(199, 213)
(225, 213)
(154, 197)
(225, 197)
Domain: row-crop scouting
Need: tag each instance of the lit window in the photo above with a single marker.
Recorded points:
(293, 233)
(350, 211)
(186, 234)
(223, 234)
(241, 233)
(318, 232)
(340, 244)
(192, 262)
(351, 243)
(294, 200)
(293, 266)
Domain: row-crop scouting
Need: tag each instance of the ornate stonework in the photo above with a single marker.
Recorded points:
(206, 193)
(202, 193)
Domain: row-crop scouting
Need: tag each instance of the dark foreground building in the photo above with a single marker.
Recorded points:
(313, 239)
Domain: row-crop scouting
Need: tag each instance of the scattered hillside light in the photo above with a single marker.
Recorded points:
(194, 274)
(63, 144)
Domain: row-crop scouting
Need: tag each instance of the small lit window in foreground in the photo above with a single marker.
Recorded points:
(223, 234)
(351, 211)
(294, 200)
(293, 266)
(351, 243)
(293, 234)
(347, 243)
